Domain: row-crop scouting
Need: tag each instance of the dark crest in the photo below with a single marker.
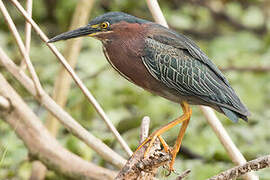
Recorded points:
(115, 17)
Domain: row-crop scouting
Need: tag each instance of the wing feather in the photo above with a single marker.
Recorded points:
(182, 42)
(189, 75)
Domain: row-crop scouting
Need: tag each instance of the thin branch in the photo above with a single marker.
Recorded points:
(71, 124)
(63, 80)
(223, 136)
(22, 49)
(27, 31)
(144, 128)
(254, 165)
(41, 144)
(28, 26)
(156, 12)
(184, 174)
(225, 139)
(139, 167)
(71, 52)
(85, 91)
(212, 119)
(257, 69)
(38, 171)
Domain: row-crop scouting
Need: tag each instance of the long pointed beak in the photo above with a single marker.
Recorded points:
(83, 31)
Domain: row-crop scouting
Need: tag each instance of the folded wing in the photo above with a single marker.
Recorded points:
(178, 63)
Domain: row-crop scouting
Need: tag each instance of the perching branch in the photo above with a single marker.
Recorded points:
(254, 165)
(41, 144)
(140, 168)
(144, 128)
(77, 80)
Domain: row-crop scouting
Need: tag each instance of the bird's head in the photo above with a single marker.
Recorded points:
(104, 26)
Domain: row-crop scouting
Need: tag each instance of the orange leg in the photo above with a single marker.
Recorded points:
(164, 144)
(178, 142)
(151, 139)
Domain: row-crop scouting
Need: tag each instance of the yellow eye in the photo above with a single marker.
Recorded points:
(104, 25)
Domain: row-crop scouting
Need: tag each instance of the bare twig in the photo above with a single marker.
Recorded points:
(184, 174)
(38, 169)
(63, 80)
(223, 136)
(225, 139)
(212, 119)
(141, 168)
(246, 69)
(72, 125)
(42, 145)
(22, 49)
(156, 12)
(27, 31)
(254, 165)
(71, 52)
(144, 128)
(85, 91)
(4, 103)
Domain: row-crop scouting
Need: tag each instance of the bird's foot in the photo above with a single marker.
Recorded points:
(170, 172)
(151, 139)
(173, 153)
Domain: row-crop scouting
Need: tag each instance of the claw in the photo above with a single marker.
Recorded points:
(152, 139)
(157, 134)
(170, 171)
(143, 143)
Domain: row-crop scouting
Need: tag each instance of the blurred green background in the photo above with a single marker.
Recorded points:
(234, 34)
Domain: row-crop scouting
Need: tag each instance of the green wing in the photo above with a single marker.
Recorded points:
(183, 69)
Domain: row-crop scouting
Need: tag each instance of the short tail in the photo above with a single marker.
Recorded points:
(234, 116)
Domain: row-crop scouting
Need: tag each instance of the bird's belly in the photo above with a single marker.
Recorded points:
(133, 69)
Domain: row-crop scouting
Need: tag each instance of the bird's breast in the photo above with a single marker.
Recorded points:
(125, 58)
(128, 63)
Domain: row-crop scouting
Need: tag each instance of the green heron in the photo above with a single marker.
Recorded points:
(165, 63)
